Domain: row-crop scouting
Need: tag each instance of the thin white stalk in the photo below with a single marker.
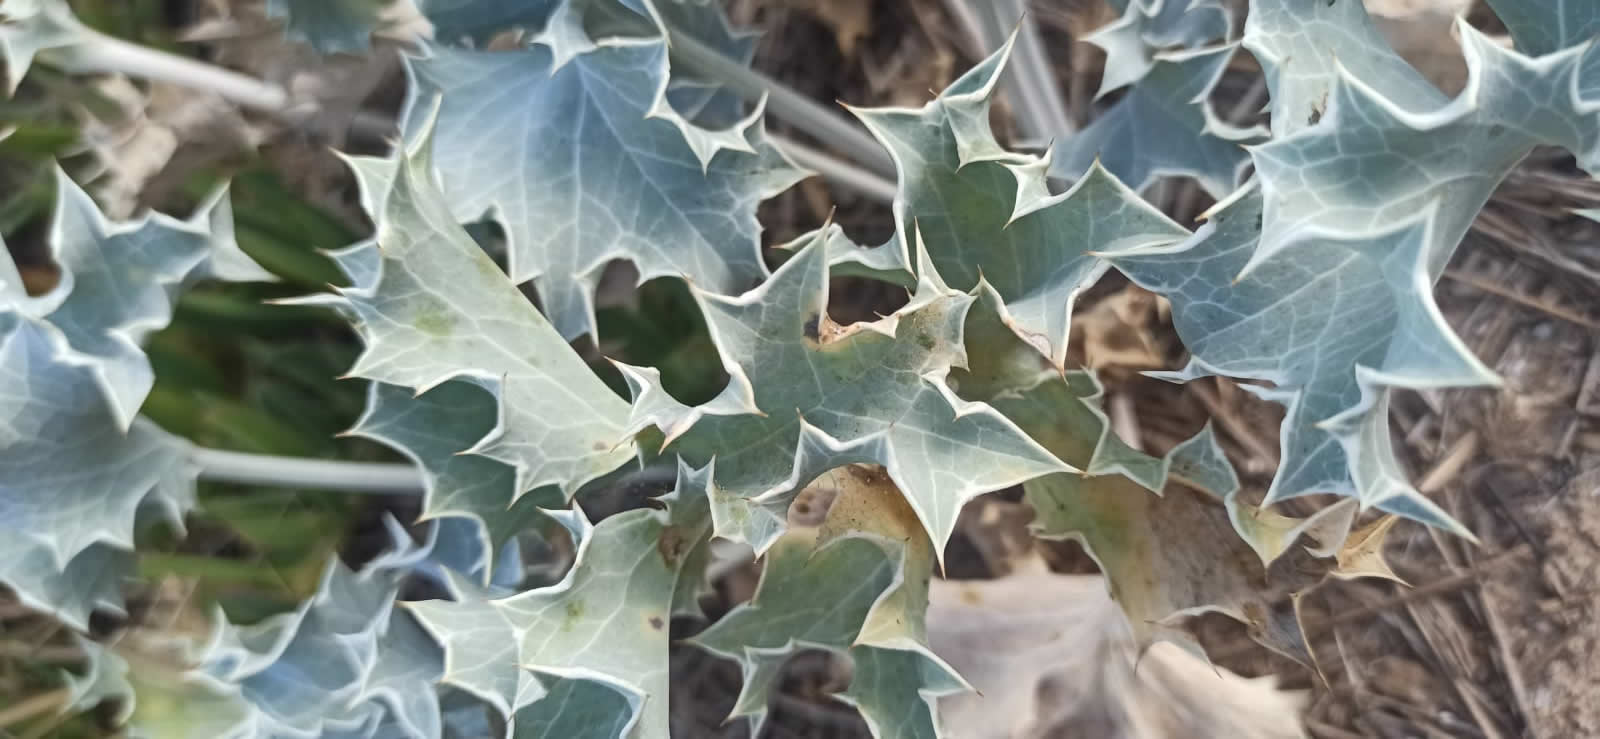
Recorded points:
(845, 175)
(99, 53)
(218, 465)
(377, 478)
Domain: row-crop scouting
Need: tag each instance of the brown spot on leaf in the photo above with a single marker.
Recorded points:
(656, 623)
(672, 545)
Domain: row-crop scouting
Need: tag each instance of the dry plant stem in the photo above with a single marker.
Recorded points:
(1508, 661)
(1264, 456)
(38, 705)
(1464, 449)
(1320, 729)
(1591, 378)
(1520, 299)
(1467, 578)
(54, 654)
(1454, 679)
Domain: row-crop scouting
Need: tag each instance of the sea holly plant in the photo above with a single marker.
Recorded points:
(80, 466)
(842, 455)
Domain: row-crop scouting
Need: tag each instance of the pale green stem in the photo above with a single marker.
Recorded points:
(843, 174)
(218, 465)
(376, 478)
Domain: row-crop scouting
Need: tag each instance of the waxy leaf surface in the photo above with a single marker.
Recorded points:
(983, 211)
(806, 395)
(583, 160)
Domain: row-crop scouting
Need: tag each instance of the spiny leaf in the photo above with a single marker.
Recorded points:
(433, 308)
(704, 99)
(76, 466)
(580, 709)
(1332, 322)
(345, 663)
(1320, 282)
(92, 580)
(1301, 45)
(1547, 26)
(1059, 410)
(118, 280)
(1325, 176)
(1362, 553)
(897, 691)
(105, 678)
(28, 27)
(1146, 27)
(605, 622)
(806, 395)
(72, 479)
(1172, 556)
(583, 160)
(1163, 128)
(1164, 556)
(986, 212)
(433, 429)
(875, 615)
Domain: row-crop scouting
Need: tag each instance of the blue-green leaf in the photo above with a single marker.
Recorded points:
(585, 161)
(28, 27)
(1332, 322)
(1147, 27)
(433, 429)
(1302, 44)
(1163, 128)
(1547, 26)
(345, 663)
(984, 211)
(434, 309)
(76, 466)
(605, 623)
(477, 20)
(807, 395)
(1328, 176)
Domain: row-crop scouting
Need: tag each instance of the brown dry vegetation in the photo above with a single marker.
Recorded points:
(1495, 640)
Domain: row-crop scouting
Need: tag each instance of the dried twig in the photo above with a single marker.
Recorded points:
(1467, 577)
(35, 706)
(1520, 299)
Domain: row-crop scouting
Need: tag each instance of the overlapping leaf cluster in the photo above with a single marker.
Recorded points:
(586, 145)
(79, 468)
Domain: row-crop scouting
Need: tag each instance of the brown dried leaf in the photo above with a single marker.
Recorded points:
(1051, 656)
